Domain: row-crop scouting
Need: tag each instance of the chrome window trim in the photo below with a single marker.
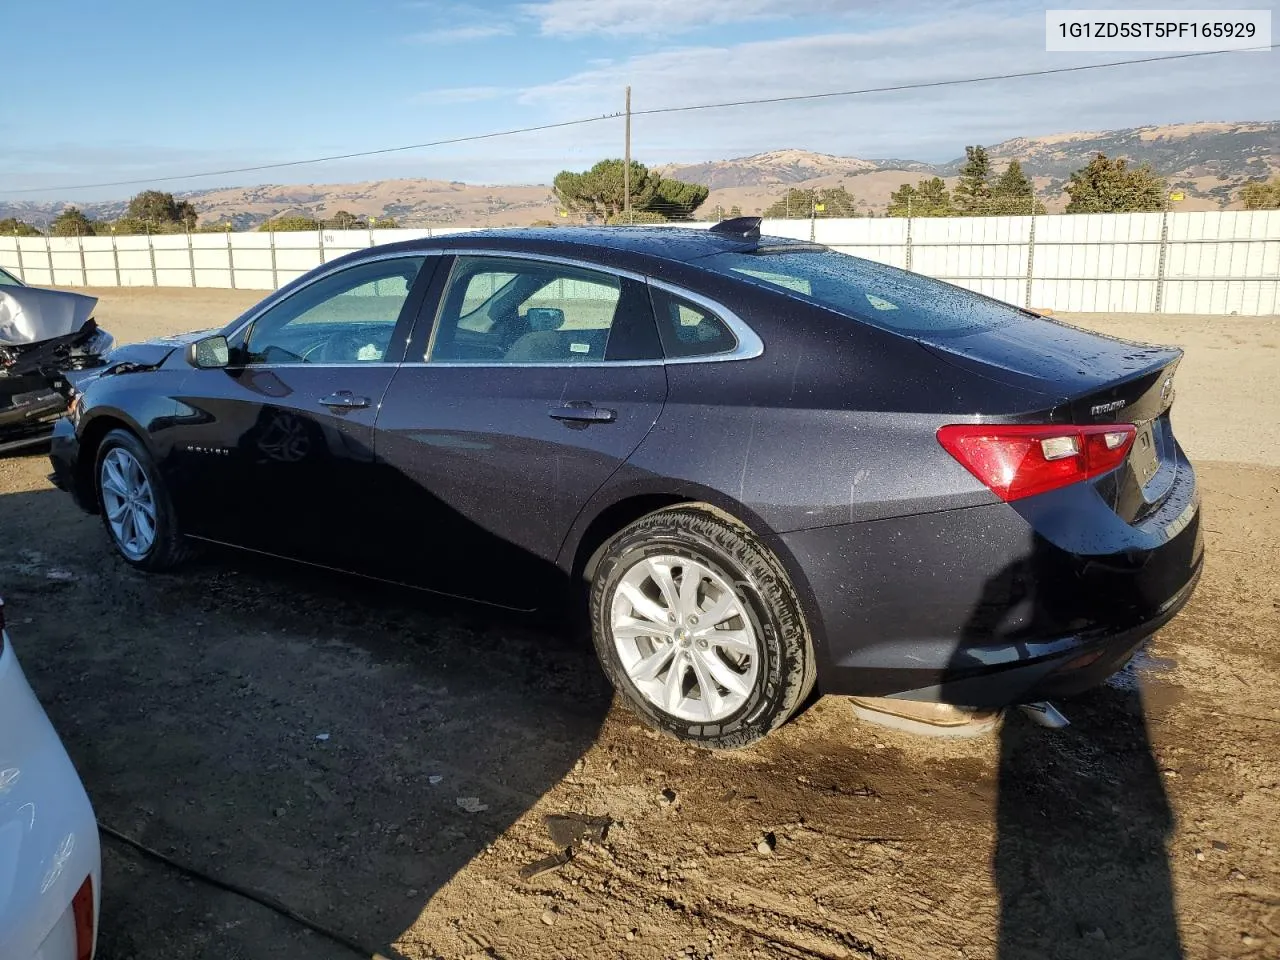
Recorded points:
(269, 302)
(749, 344)
(548, 258)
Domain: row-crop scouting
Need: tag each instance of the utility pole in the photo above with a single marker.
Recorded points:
(626, 163)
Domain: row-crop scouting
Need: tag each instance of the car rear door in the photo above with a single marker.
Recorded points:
(277, 452)
(528, 385)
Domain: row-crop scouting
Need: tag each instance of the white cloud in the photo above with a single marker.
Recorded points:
(658, 18)
(450, 95)
(474, 31)
(929, 124)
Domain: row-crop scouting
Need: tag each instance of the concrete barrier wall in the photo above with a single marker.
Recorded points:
(1211, 263)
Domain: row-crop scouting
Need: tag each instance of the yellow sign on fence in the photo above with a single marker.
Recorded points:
(1177, 195)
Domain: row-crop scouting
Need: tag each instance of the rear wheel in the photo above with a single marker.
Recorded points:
(136, 509)
(699, 628)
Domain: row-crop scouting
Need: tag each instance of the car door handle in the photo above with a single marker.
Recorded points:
(344, 400)
(581, 411)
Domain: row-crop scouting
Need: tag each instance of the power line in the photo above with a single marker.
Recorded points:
(923, 85)
(793, 98)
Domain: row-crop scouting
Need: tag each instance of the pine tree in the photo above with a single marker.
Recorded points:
(974, 189)
(1013, 194)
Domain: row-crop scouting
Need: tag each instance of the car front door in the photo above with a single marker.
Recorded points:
(537, 380)
(277, 451)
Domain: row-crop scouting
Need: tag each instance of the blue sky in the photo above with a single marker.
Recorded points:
(144, 89)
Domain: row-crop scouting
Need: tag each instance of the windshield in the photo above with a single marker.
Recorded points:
(8, 280)
(887, 297)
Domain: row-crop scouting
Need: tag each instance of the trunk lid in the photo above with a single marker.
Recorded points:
(1086, 378)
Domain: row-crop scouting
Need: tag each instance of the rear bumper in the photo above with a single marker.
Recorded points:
(1000, 604)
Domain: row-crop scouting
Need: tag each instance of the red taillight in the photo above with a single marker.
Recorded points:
(1021, 460)
(82, 912)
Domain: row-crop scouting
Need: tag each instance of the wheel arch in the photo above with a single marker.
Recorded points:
(90, 440)
(603, 518)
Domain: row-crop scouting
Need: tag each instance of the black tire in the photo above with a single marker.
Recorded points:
(170, 548)
(787, 668)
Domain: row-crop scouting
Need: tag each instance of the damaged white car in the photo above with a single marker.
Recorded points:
(43, 335)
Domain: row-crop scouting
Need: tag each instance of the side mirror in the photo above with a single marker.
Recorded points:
(210, 353)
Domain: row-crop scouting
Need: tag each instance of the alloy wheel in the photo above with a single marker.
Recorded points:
(129, 503)
(684, 637)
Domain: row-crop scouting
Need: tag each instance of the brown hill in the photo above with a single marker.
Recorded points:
(1208, 161)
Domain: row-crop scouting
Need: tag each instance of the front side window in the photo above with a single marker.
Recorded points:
(499, 310)
(884, 296)
(347, 317)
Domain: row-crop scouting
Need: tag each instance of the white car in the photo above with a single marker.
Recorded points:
(50, 863)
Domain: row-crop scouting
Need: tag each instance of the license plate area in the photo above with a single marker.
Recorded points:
(1145, 457)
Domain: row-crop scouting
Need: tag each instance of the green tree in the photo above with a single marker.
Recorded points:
(344, 220)
(974, 189)
(675, 199)
(735, 211)
(131, 225)
(804, 202)
(1111, 186)
(285, 224)
(599, 191)
(928, 198)
(71, 222)
(637, 216)
(13, 227)
(1257, 195)
(160, 212)
(1012, 193)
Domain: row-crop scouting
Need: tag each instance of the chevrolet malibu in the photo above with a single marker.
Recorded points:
(772, 465)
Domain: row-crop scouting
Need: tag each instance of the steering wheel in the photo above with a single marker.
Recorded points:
(341, 347)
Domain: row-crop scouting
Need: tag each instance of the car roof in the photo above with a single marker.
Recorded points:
(680, 244)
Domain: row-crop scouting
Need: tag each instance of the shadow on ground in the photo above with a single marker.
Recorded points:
(1082, 816)
(343, 747)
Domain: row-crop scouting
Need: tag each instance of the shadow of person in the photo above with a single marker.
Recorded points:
(1082, 817)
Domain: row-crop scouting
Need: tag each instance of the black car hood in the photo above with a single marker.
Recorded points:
(137, 357)
(33, 315)
(153, 352)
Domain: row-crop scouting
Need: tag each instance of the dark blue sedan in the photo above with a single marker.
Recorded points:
(771, 464)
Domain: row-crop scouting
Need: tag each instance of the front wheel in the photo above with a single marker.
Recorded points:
(699, 628)
(136, 509)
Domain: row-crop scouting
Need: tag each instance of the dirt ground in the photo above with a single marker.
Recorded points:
(382, 762)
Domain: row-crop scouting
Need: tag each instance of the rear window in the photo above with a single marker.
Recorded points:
(884, 296)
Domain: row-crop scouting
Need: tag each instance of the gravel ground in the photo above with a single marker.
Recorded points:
(383, 762)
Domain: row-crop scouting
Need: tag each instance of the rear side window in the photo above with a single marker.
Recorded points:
(688, 329)
(883, 296)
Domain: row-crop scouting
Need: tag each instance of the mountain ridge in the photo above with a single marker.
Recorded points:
(1208, 161)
